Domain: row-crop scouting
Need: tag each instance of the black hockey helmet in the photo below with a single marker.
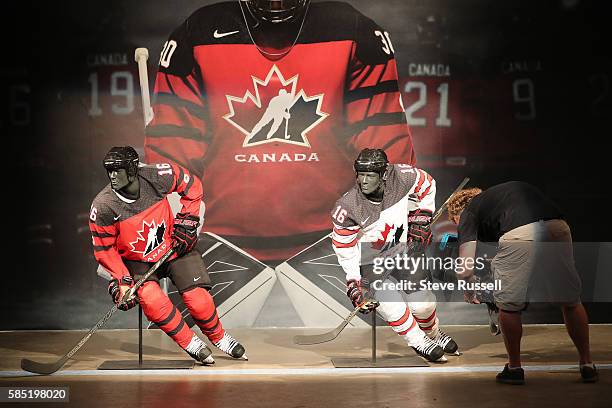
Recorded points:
(372, 160)
(276, 11)
(122, 157)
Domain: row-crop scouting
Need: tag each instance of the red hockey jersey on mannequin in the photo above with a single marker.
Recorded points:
(141, 229)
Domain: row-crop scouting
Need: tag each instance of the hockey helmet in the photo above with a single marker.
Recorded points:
(372, 160)
(276, 11)
(122, 157)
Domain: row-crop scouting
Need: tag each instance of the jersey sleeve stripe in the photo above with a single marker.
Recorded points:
(175, 131)
(187, 187)
(429, 179)
(345, 232)
(101, 235)
(420, 182)
(102, 248)
(104, 241)
(179, 86)
(178, 103)
(191, 86)
(343, 239)
(370, 91)
(379, 119)
(338, 244)
(370, 75)
(103, 225)
(165, 156)
(179, 179)
(397, 139)
(195, 165)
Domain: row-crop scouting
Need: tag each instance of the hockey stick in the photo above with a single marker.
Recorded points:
(287, 135)
(50, 368)
(307, 339)
(141, 55)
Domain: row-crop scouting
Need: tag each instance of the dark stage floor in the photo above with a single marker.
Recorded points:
(281, 374)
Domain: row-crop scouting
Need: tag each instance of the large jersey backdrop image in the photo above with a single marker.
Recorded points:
(265, 106)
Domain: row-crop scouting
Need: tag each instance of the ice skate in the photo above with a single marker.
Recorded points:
(231, 347)
(447, 343)
(428, 349)
(199, 351)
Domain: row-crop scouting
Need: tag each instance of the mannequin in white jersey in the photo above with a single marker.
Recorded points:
(389, 211)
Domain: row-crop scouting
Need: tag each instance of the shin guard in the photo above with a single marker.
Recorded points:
(158, 308)
(204, 312)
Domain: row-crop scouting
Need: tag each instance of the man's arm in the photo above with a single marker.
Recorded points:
(467, 256)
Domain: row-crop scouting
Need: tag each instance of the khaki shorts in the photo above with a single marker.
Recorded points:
(535, 263)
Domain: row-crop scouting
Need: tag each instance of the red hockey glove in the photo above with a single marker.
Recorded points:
(419, 227)
(185, 234)
(117, 290)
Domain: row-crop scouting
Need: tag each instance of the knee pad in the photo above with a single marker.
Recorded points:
(198, 301)
(391, 311)
(155, 303)
(422, 309)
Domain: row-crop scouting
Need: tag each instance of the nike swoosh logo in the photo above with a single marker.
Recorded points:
(217, 34)
(196, 279)
(364, 221)
(117, 217)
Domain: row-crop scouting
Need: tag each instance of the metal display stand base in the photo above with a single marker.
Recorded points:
(378, 362)
(145, 365)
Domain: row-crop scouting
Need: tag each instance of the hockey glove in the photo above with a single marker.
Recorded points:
(118, 288)
(355, 292)
(185, 234)
(419, 227)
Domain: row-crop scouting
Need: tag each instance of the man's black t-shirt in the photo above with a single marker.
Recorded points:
(502, 208)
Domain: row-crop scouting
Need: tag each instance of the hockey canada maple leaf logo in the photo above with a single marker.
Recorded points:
(275, 111)
(382, 245)
(149, 237)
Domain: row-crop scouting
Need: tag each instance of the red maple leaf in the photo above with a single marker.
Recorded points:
(140, 244)
(381, 242)
(149, 237)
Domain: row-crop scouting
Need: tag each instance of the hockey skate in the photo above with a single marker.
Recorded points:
(447, 343)
(428, 349)
(199, 351)
(231, 347)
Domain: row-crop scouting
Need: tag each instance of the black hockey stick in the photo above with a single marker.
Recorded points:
(50, 368)
(306, 339)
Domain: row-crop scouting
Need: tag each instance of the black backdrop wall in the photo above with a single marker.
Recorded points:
(496, 90)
